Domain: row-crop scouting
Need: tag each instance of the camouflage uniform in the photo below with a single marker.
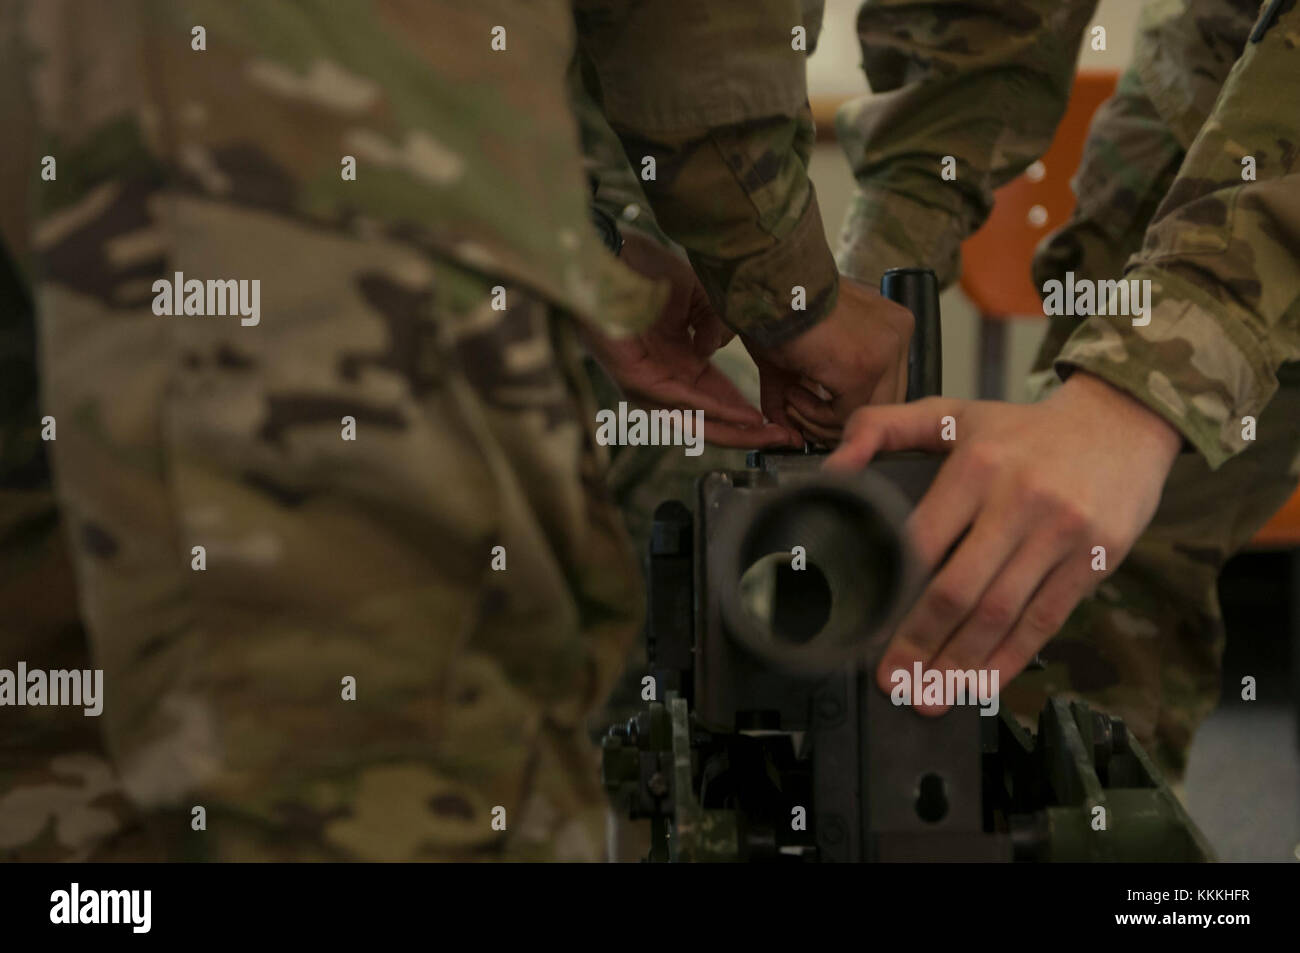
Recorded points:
(737, 157)
(988, 87)
(370, 558)
(719, 101)
(1161, 197)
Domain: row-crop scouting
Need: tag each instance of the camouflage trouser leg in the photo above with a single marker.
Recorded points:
(58, 799)
(1149, 643)
(348, 676)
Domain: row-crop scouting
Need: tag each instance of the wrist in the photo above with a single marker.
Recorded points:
(1104, 401)
(781, 292)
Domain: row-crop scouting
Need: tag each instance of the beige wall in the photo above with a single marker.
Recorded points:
(833, 71)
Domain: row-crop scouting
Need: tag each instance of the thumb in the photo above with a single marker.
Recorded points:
(710, 332)
(919, 425)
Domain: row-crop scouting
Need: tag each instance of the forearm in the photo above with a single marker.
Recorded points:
(616, 190)
(1222, 257)
(990, 103)
(720, 145)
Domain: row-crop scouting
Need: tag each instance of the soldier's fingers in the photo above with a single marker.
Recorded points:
(915, 426)
(816, 388)
(956, 590)
(615, 354)
(725, 404)
(826, 436)
(1003, 603)
(729, 403)
(710, 333)
(710, 339)
(1043, 617)
(952, 502)
(773, 383)
(745, 435)
(812, 408)
(765, 437)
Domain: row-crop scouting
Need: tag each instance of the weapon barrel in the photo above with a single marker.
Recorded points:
(815, 574)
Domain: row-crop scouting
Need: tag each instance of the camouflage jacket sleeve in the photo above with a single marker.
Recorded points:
(1222, 255)
(616, 190)
(982, 81)
(711, 107)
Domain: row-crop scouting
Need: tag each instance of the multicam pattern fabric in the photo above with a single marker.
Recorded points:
(326, 559)
(1161, 196)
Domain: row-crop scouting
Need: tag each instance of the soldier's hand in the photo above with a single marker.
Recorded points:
(855, 356)
(668, 365)
(1027, 494)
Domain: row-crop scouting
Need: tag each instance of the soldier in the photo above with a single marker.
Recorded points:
(345, 558)
(1189, 180)
(1147, 645)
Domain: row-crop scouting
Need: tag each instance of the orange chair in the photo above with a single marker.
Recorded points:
(996, 259)
(995, 271)
(1283, 530)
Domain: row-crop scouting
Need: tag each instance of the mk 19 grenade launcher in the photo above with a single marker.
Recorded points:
(772, 741)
